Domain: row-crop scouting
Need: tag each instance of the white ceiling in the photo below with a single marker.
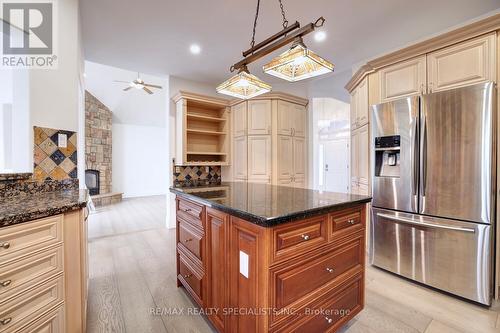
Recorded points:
(153, 36)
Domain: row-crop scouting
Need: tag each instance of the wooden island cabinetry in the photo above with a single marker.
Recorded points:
(300, 275)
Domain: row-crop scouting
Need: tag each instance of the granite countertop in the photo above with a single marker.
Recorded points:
(269, 205)
(26, 207)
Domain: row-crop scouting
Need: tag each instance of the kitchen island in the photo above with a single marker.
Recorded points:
(265, 258)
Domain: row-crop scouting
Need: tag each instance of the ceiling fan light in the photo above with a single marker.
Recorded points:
(243, 85)
(298, 63)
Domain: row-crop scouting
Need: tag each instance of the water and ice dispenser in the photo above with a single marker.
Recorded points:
(387, 156)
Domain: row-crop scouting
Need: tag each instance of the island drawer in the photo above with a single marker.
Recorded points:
(191, 278)
(346, 222)
(30, 237)
(21, 308)
(294, 239)
(23, 272)
(190, 211)
(191, 239)
(332, 313)
(297, 282)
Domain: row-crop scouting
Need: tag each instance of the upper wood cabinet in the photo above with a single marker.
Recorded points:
(359, 105)
(291, 119)
(299, 162)
(259, 158)
(467, 63)
(360, 165)
(284, 150)
(403, 79)
(299, 120)
(259, 117)
(239, 112)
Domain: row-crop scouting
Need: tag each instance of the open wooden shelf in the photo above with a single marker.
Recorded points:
(192, 130)
(206, 118)
(203, 127)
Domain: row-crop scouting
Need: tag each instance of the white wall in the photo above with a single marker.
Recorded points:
(140, 132)
(140, 162)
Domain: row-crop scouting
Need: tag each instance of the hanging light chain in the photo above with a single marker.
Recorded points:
(285, 21)
(252, 43)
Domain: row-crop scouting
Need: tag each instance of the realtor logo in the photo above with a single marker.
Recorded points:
(28, 34)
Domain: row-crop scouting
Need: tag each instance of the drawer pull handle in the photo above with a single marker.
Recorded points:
(329, 320)
(188, 240)
(187, 276)
(5, 321)
(329, 270)
(5, 283)
(305, 237)
(5, 245)
(351, 221)
(187, 210)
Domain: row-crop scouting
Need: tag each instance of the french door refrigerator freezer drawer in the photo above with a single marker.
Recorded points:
(450, 255)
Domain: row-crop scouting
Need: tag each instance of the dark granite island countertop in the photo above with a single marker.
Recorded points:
(269, 205)
(27, 207)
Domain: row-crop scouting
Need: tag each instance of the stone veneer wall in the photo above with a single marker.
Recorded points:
(98, 140)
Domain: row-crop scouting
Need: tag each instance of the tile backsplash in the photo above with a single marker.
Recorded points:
(52, 162)
(196, 175)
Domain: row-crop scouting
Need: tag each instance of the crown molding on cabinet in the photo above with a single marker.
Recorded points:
(274, 95)
(489, 24)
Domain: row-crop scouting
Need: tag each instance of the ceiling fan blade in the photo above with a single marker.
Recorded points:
(147, 90)
(127, 89)
(121, 81)
(152, 86)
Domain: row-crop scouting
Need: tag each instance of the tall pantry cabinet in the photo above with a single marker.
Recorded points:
(269, 140)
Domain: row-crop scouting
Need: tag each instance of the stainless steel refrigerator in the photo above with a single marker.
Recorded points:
(433, 171)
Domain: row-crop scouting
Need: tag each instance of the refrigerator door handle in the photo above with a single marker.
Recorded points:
(424, 224)
(424, 156)
(414, 168)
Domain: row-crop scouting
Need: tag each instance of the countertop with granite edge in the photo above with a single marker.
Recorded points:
(269, 205)
(26, 207)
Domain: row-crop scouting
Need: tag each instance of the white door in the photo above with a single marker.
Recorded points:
(336, 165)
(259, 117)
(259, 159)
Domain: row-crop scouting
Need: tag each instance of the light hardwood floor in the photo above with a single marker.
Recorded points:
(132, 272)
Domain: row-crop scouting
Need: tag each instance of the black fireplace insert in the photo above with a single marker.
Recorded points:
(92, 181)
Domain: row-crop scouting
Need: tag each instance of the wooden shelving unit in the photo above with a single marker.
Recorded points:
(202, 130)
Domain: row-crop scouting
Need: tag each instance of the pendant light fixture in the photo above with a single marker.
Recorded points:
(296, 64)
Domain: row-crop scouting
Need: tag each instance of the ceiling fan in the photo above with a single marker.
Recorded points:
(139, 84)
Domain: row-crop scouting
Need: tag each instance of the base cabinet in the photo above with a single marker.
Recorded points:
(276, 279)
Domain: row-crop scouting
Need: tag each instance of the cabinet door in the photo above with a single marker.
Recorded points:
(362, 103)
(259, 117)
(403, 79)
(239, 112)
(354, 187)
(299, 160)
(240, 158)
(259, 158)
(284, 163)
(217, 224)
(467, 63)
(299, 120)
(363, 156)
(284, 119)
(354, 156)
(354, 116)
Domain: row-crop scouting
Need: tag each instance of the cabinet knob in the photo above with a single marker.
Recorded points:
(5, 321)
(351, 221)
(329, 270)
(5, 283)
(305, 237)
(187, 276)
(5, 245)
(329, 320)
(188, 240)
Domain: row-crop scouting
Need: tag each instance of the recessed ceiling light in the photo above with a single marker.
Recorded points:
(195, 49)
(320, 36)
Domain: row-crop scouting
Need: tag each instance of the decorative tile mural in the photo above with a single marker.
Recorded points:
(52, 162)
(196, 175)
